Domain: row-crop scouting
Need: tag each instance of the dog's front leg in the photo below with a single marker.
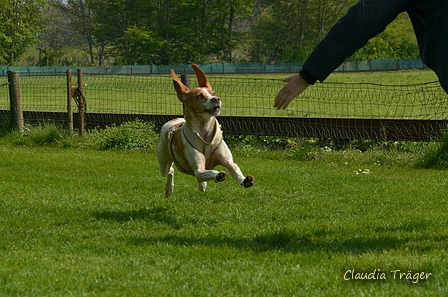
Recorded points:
(235, 171)
(197, 163)
(206, 175)
(225, 158)
(202, 176)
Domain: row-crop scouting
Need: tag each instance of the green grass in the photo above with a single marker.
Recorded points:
(87, 222)
(397, 94)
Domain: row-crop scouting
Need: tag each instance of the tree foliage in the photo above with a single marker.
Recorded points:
(20, 23)
(288, 30)
(184, 31)
(160, 32)
(398, 41)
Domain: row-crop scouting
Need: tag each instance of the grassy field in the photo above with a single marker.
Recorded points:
(397, 94)
(84, 222)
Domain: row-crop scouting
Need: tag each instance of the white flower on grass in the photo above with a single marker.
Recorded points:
(362, 171)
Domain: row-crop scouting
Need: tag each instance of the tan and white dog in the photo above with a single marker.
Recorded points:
(194, 143)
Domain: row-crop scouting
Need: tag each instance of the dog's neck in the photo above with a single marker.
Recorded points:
(203, 126)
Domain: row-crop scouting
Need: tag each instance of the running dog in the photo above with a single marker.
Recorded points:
(194, 143)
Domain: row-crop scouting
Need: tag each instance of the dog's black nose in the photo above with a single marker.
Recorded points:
(216, 99)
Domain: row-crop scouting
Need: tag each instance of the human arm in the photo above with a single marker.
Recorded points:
(363, 21)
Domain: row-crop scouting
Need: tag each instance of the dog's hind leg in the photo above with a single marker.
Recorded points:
(169, 184)
(166, 169)
(202, 186)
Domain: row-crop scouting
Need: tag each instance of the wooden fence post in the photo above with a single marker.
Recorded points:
(185, 79)
(81, 105)
(69, 102)
(15, 100)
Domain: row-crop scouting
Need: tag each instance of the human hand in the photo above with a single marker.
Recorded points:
(295, 85)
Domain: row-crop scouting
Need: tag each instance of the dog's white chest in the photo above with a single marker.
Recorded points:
(184, 135)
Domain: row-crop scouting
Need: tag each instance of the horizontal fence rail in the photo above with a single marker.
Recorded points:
(328, 110)
(328, 128)
(289, 67)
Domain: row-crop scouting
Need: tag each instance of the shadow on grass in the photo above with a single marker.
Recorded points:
(284, 240)
(158, 214)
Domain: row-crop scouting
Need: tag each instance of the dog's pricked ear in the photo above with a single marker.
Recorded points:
(181, 89)
(202, 79)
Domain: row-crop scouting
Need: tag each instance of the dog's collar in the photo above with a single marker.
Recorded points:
(199, 144)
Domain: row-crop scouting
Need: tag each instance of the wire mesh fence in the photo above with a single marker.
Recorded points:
(131, 94)
(108, 96)
(367, 100)
(4, 93)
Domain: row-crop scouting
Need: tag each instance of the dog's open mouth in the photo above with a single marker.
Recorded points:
(213, 111)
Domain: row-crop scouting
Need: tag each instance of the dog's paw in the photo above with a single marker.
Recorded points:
(220, 176)
(249, 181)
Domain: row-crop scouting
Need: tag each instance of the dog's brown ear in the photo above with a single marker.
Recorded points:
(181, 89)
(202, 79)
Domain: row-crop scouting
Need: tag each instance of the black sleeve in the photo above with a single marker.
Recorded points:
(363, 21)
(430, 21)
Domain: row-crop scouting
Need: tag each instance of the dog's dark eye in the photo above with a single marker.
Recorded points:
(200, 96)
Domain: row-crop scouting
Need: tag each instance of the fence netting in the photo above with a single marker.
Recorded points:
(4, 93)
(108, 96)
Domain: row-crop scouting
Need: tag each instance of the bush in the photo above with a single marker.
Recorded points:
(44, 134)
(128, 136)
(132, 135)
(436, 155)
(275, 147)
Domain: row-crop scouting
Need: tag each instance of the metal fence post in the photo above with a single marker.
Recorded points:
(69, 102)
(15, 100)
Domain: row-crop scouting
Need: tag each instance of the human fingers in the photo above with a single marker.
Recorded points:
(295, 85)
(283, 95)
(287, 79)
(287, 93)
(283, 98)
